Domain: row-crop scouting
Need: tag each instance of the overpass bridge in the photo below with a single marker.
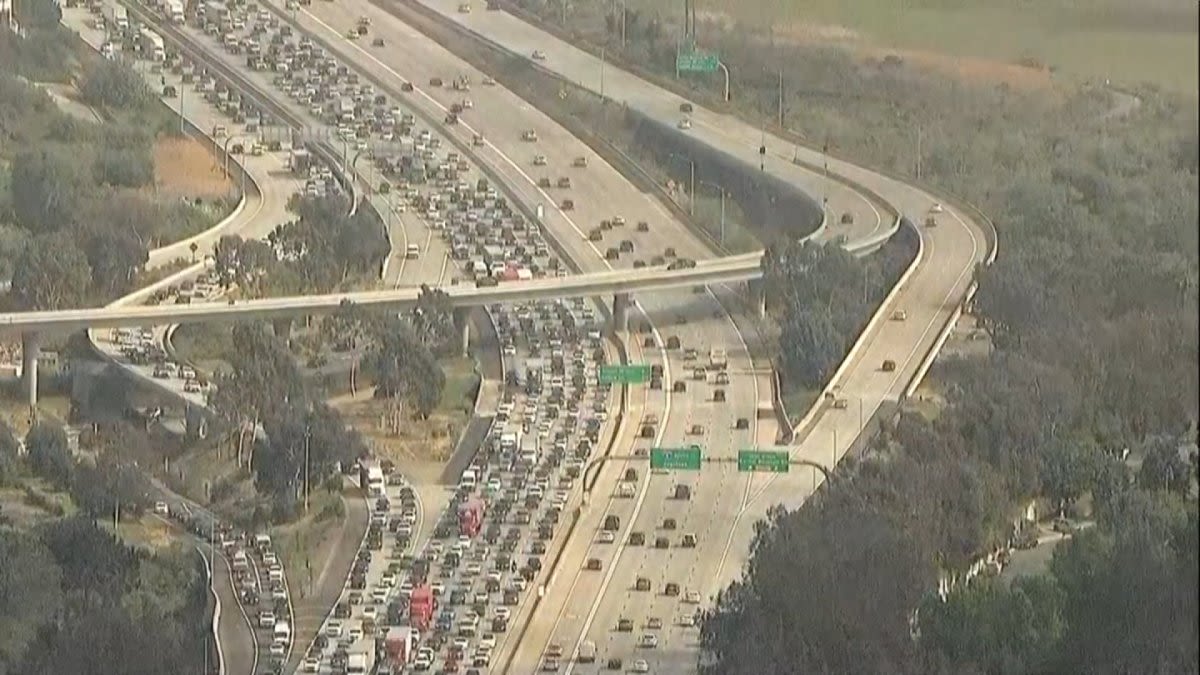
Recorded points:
(33, 326)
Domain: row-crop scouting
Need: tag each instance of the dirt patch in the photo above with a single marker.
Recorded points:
(184, 167)
(419, 447)
(972, 70)
(969, 69)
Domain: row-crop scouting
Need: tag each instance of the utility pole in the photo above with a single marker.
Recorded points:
(918, 151)
(692, 193)
(307, 438)
(781, 99)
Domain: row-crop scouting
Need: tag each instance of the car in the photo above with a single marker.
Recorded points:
(654, 623)
(692, 597)
(352, 34)
(539, 55)
(624, 625)
(696, 430)
(488, 81)
(641, 666)
(685, 124)
(936, 208)
(643, 226)
(648, 641)
(685, 107)
(580, 162)
(689, 541)
(161, 508)
(662, 543)
(539, 160)
(888, 366)
(377, 42)
(607, 537)
(899, 315)
(742, 423)
(642, 584)
(312, 665)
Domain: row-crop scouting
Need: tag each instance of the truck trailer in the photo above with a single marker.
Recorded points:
(399, 646)
(470, 517)
(116, 17)
(420, 608)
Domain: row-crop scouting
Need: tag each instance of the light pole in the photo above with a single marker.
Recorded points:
(307, 439)
(725, 69)
(602, 72)
(780, 99)
(225, 167)
(692, 184)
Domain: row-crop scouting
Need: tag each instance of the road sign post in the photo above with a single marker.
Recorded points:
(770, 461)
(688, 459)
(624, 374)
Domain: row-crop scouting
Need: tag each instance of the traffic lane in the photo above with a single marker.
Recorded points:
(717, 494)
(237, 638)
(583, 68)
(594, 189)
(571, 579)
(516, 181)
(866, 215)
(654, 490)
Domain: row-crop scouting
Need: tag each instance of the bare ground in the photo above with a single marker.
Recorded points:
(419, 447)
(185, 167)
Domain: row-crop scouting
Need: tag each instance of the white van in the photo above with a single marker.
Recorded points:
(469, 479)
(282, 632)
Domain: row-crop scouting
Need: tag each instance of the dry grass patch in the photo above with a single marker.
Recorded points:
(184, 167)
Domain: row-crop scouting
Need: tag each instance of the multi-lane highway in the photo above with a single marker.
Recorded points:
(928, 298)
(582, 607)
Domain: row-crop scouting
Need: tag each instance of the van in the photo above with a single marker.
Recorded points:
(612, 523)
(587, 652)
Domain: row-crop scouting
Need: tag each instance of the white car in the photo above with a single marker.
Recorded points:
(333, 629)
(503, 613)
(539, 55)
(488, 641)
(648, 641)
(539, 160)
(692, 597)
(640, 666)
(936, 208)
(607, 537)
(685, 123)
(312, 665)
(370, 612)
(278, 648)
(161, 508)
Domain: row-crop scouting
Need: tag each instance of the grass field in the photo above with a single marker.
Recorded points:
(1127, 41)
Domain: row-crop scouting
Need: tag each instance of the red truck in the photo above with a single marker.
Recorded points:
(470, 517)
(420, 608)
(399, 645)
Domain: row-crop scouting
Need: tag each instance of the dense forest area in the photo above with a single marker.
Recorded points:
(1086, 400)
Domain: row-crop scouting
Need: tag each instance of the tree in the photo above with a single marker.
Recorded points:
(47, 186)
(114, 84)
(9, 455)
(49, 455)
(433, 320)
(52, 274)
(103, 488)
(810, 347)
(997, 629)
(243, 262)
(1131, 590)
(127, 166)
(404, 367)
(1164, 468)
(30, 589)
(116, 257)
(1068, 470)
(38, 14)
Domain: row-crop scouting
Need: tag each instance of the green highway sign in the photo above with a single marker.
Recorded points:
(675, 458)
(693, 61)
(773, 461)
(624, 374)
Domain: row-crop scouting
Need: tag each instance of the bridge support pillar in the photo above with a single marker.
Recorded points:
(31, 349)
(282, 328)
(462, 319)
(620, 312)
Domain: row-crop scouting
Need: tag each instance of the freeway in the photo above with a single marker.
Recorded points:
(929, 297)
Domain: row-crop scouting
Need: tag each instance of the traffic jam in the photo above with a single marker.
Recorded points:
(448, 607)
